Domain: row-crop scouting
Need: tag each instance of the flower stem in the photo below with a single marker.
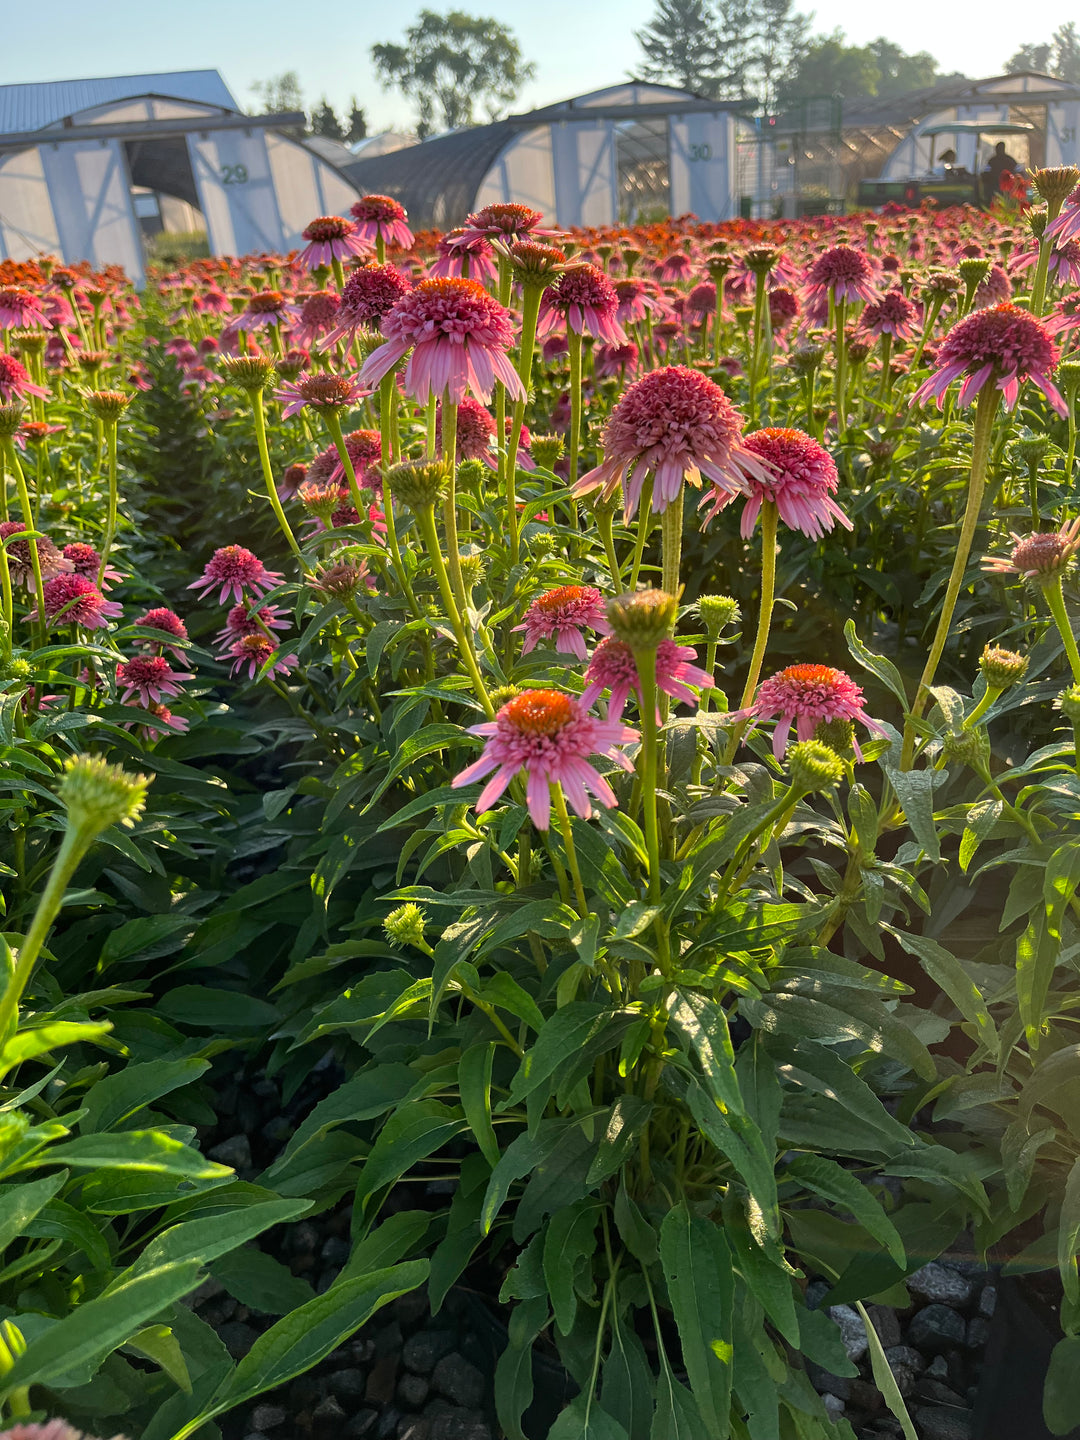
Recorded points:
(573, 340)
(526, 346)
(448, 446)
(770, 516)
(1056, 602)
(644, 523)
(268, 474)
(671, 528)
(110, 524)
(566, 830)
(1038, 289)
(985, 411)
(840, 360)
(24, 504)
(333, 424)
(425, 519)
(646, 667)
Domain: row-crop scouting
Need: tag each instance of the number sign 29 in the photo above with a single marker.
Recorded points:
(234, 175)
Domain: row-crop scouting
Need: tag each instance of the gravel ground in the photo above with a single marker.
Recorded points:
(408, 1375)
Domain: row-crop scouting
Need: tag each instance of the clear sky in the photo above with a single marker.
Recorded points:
(577, 45)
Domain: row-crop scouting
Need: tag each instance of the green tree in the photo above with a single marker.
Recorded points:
(899, 72)
(450, 62)
(682, 46)
(829, 66)
(280, 93)
(357, 122)
(324, 121)
(1059, 56)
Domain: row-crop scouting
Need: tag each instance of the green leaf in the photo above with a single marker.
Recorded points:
(626, 1119)
(1069, 1235)
(159, 1344)
(260, 1282)
(474, 1081)
(147, 1150)
(981, 819)
(884, 1378)
(1037, 950)
(97, 1327)
(584, 1419)
(626, 1381)
(915, 792)
(831, 1181)
(207, 1239)
(579, 1031)
(210, 1009)
(1060, 879)
(372, 1092)
(28, 1044)
(386, 1244)
(412, 1133)
(119, 1095)
(1061, 1392)
(677, 1416)
(877, 665)
(701, 1290)
(744, 1150)
(705, 1026)
(513, 1372)
(19, 1204)
(570, 1238)
(309, 1334)
(948, 972)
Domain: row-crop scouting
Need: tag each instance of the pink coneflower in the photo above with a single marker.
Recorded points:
(244, 619)
(893, 315)
(214, 302)
(801, 484)
(459, 337)
(22, 310)
(584, 300)
(565, 613)
(458, 256)
(235, 570)
(992, 290)
(504, 221)
(678, 425)
(637, 298)
(15, 381)
(46, 1430)
(701, 302)
(841, 272)
(75, 600)
(364, 449)
(675, 267)
(550, 736)
(807, 696)
(1063, 262)
(85, 560)
(150, 677)
(317, 316)
(475, 432)
(255, 651)
(20, 563)
(1040, 556)
(370, 293)
(609, 360)
(158, 721)
(330, 238)
(1067, 224)
(613, 668)
(321, 390)
(1065, 316)
(172, 629)
(264, 310)
(783, 307)
(1003, 344)
(380, 217)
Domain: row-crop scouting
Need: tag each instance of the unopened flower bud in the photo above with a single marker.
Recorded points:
(471, 474)
(1068, 377)
(1031, 450)
(1068, 702)
(11, 417)
(814, 766)
(1002, 668)
(30, 342)
(343, 580)
(973, 271)
(502, 695)
(542, 543)
(546, 450)
(534, 264)
(107, 405)
(966, 747)
(805, 359)
(644, 619)
(1037, 220)
(97, 794)
(743, 315)
(838, 735)
(16, 671)
(405, 926)
(472, 570)
(419, 484)
(717, 612)
(247, 372)
(1055, 183)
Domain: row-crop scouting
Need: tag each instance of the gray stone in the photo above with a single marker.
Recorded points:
(255, 1435)
(209, 1290)
(348, 1385)
(905, 1355)
(381, 1381)
(941, 1284)
(834, 1405)
(936, 1329)
(335, 1251)
(411, 1307)
(816, 1292)
(459, 1381)
(938, 1368)
(865, 1397)
(388, 1340)
(852, 1330)
(938, 1392)
(412, 1390)
(302, 1239)
(935, 1424)
(361, 1425)
(905, 1378)
(237, 1338)
(236, 1151)
(328, 1417)
(824, 1382)
(266, 1417)
(423, 1351)
(988, 1300)
(886, 1323)
(978, 1333)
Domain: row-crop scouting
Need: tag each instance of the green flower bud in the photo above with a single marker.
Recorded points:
(418, 484)
(406, 926)
(642, 620)
(471, 474)
(1068, 377)
(838, 735)
(107, 404)
(11, 417)
(717, 612)
(966, 747)
(1068, 702)
(502, 695)
(472, 570)
(247, 372)
(29, 342)
(805, 359)
(542, 543)
(1055, 183)
(16, 671)
(1031, 450)
(97, 794)
(1002, 668)
(546, 449)
(973, 271)
(1037, 219)
(813, 766)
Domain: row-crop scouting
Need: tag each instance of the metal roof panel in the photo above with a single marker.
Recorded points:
(33, 106)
